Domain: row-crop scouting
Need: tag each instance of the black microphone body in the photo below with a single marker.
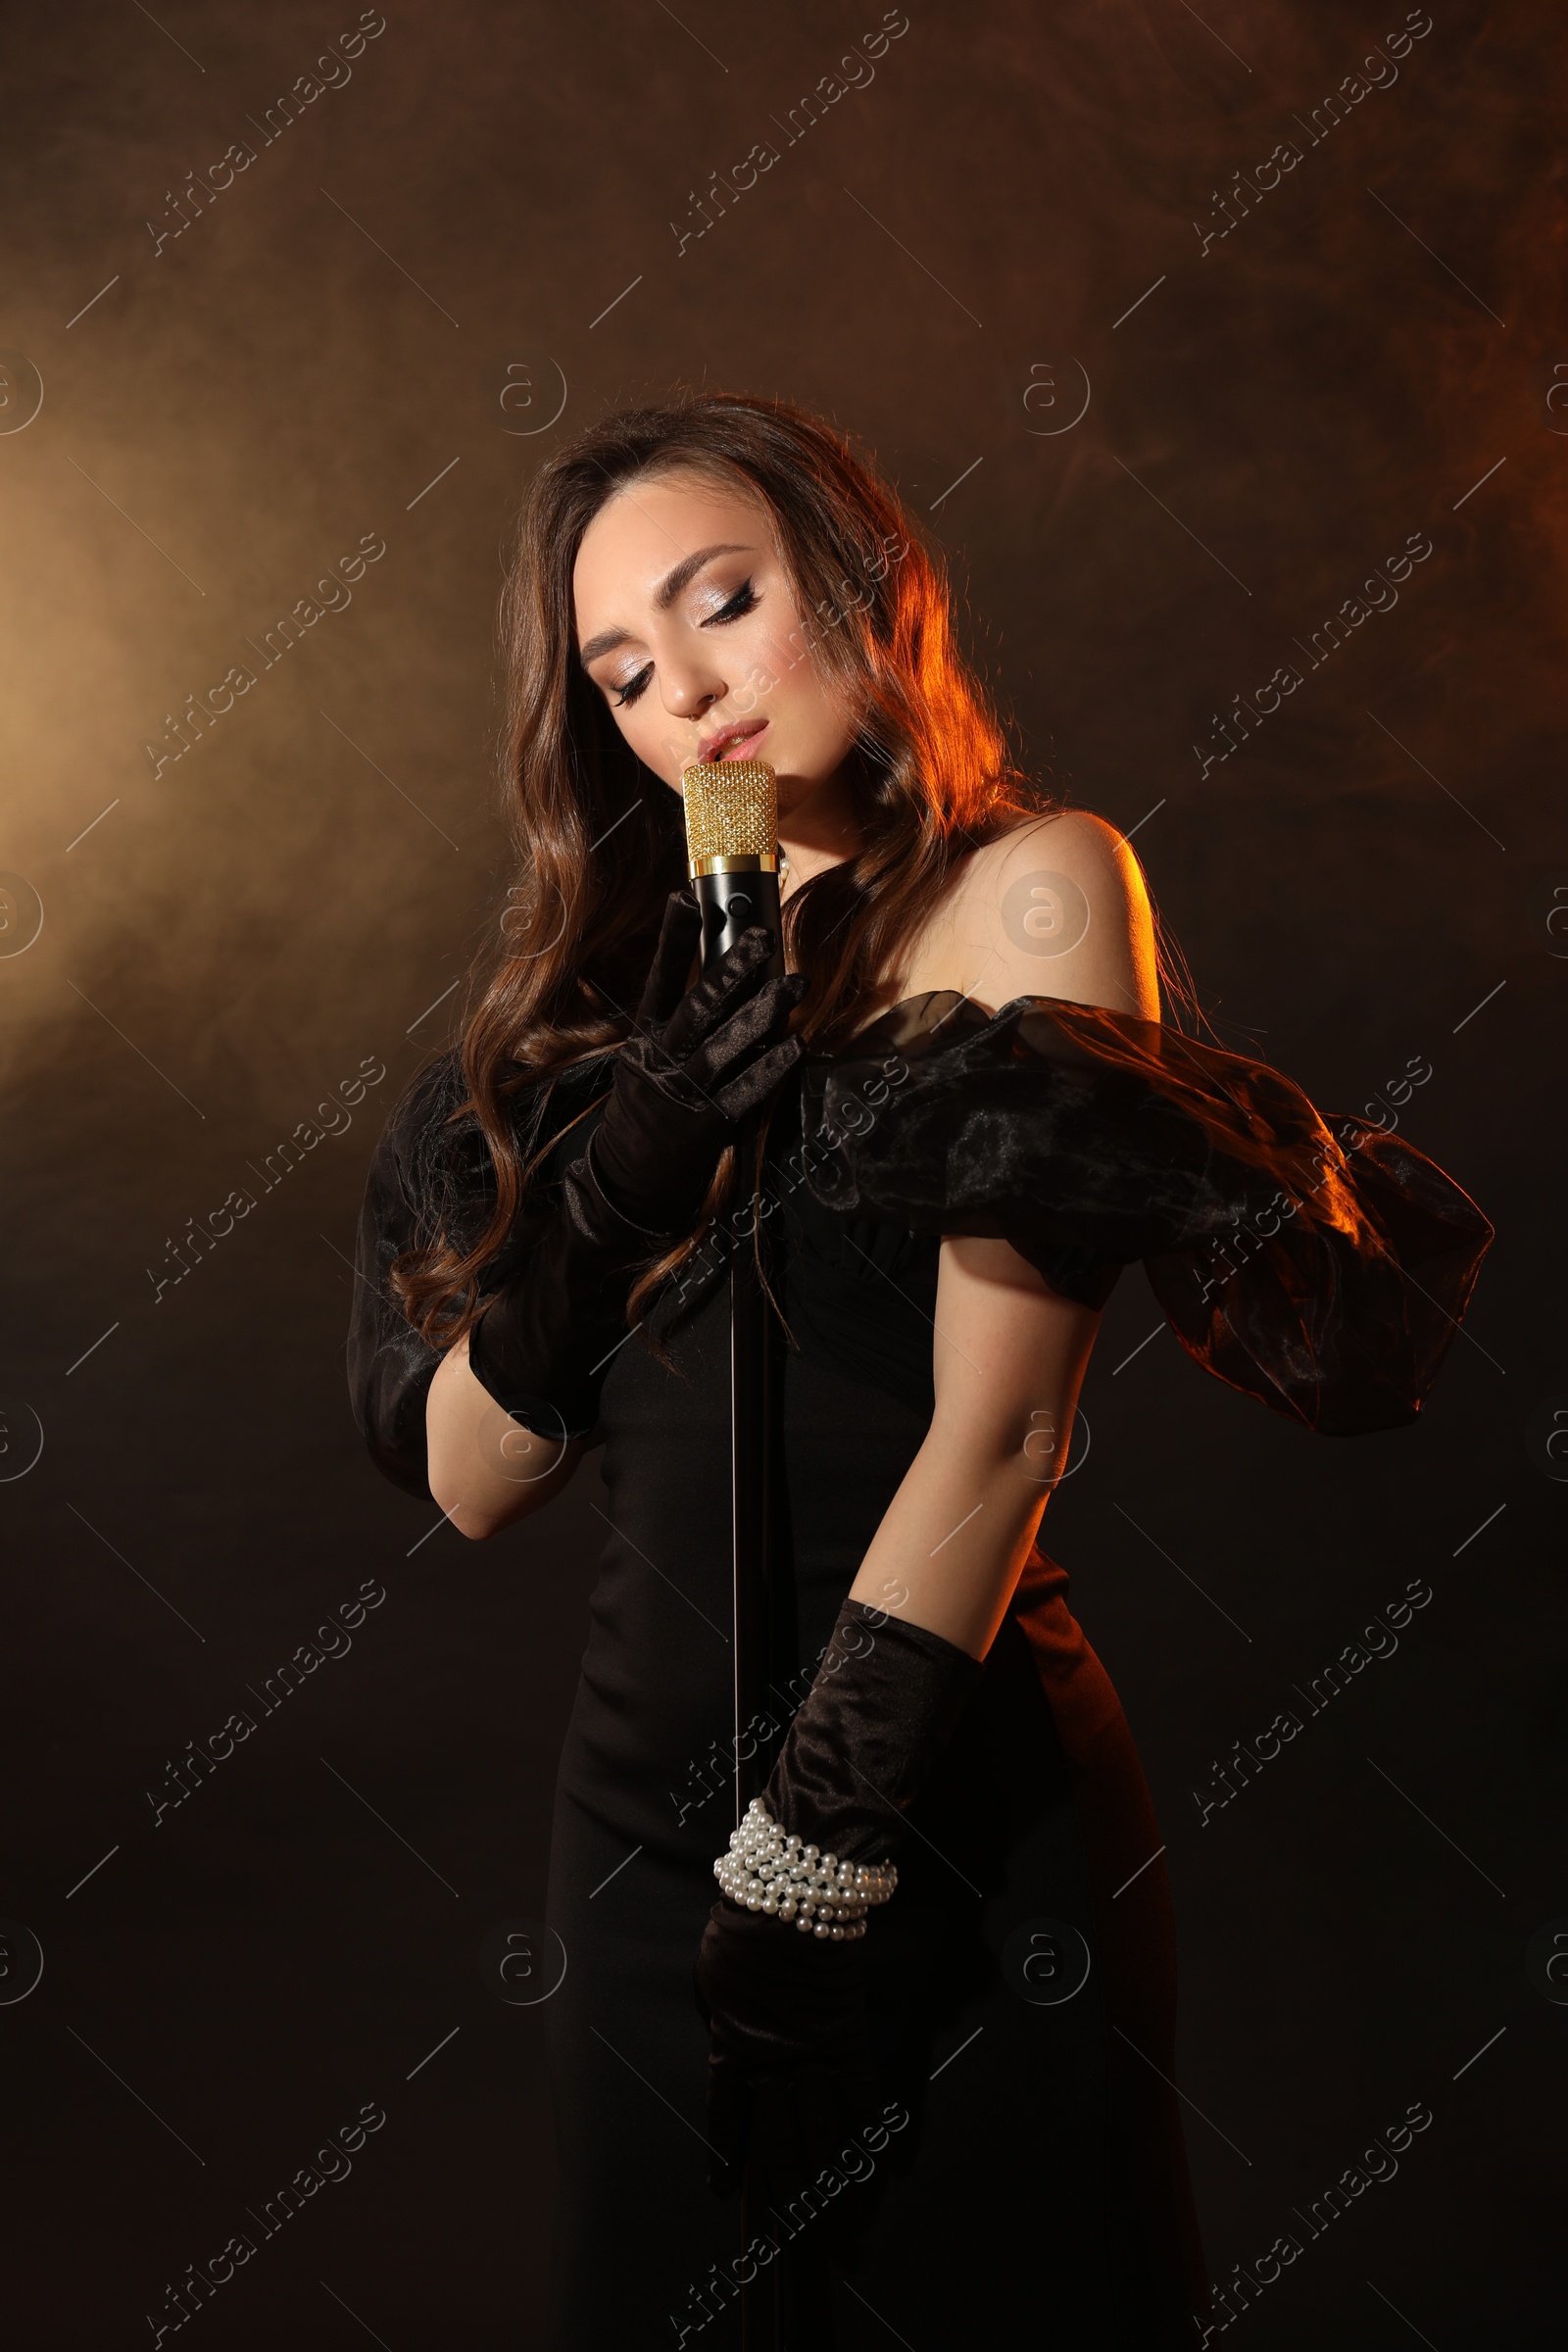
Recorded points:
(731, 901)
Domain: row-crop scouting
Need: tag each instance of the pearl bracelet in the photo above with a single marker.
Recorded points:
(766, 1871)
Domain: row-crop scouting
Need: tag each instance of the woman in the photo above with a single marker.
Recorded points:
(942, 1135)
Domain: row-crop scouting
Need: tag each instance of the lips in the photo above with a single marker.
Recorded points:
(731, 743)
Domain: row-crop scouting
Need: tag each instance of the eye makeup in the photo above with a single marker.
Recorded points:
(735, 607)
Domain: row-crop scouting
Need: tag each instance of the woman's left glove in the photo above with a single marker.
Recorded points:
(789, 2068)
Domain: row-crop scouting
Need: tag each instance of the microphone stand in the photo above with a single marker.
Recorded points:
(742, 893)
(750, 1422)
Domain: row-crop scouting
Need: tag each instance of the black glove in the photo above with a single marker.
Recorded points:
(789, 2072)
(789, 2066)
(697, 1063)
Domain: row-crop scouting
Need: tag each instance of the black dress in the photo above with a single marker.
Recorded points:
(1027, 2156)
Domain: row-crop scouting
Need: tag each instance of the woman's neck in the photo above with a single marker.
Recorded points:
(816, 831)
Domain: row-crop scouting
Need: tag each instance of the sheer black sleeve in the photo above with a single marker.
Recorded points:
(1314, 1261)
(390, 1368)
(429, 1173)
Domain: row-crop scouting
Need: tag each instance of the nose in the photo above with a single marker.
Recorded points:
(690, 684)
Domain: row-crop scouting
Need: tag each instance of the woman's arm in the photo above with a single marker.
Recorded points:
(428, 1424)
(1056, 908)
(699, 1060)
(486, 1470)
(1009, 1360)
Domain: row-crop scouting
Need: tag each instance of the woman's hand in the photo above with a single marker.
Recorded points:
(789, 2071)
(789, 2064)
(696, 1063)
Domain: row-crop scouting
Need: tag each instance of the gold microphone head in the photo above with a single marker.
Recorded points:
(731, 816)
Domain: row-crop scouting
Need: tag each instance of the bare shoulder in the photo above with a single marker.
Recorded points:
(1073, 842)
(1058, 906)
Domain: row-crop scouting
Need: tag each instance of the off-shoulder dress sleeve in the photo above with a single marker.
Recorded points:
(1313, 1260)
(390, 1368)
(431, 1172)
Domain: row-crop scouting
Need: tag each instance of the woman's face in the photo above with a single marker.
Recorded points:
(687, 624)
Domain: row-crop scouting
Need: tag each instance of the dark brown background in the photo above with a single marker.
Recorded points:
(299, 892)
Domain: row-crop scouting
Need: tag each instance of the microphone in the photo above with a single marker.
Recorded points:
(732, 857)
(732, 853)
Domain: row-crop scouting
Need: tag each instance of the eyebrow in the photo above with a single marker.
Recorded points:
(664, 595)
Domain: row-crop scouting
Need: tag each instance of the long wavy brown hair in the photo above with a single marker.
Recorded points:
(598, 839)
